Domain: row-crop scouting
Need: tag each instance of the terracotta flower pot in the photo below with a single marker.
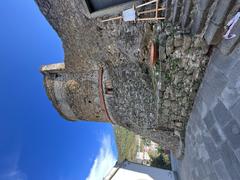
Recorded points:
(153, 53)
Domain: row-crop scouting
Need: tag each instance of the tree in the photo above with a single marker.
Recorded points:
(160, 162)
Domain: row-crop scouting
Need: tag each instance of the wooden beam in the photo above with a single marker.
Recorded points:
(114, 18)
(147, 19)
(144, 4)
(149, 11)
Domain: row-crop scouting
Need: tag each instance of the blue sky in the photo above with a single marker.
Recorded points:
(36, 143)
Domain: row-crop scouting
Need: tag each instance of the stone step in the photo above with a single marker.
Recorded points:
(227, 46)
(201, 14)
(215, 29)
(168, 5)
(186, 16)
(176, 11)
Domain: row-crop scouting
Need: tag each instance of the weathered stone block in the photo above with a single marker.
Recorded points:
(232, 131)
(217, 134)
(208, 94)
(213, 152)
(198, 23)
(162, 38)
(179, 124)
(232, 91)
(178, 40)
(235, 110)
(237, 152)
(199, 43)
(208, 166)
(221, 170)
(201, 170)
(213, 34)
(213, 176)
(187, 41)
(222, 114)
(229, 94)
(236, 52)
(187, 7)
(234, 72)
(162, 53)
(203, 4)
(169, 45)
(209, 120)
(216, 79)
(201, 15)
(223, 62)
(230, 160)
(222, 8)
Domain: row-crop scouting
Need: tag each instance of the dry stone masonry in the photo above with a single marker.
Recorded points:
(177, 76)
(106, 74)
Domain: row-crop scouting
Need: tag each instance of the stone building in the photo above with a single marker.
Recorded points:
(106, 74)
(134, 171)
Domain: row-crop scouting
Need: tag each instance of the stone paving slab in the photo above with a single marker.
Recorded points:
(212, 143)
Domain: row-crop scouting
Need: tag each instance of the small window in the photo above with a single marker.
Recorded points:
(108, 87)
(96, 5)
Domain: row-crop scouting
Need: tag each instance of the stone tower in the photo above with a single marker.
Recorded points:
(106, 75)
(75, 95)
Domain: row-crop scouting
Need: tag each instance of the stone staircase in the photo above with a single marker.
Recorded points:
(197, 26)
(206, 18)
(210, 155)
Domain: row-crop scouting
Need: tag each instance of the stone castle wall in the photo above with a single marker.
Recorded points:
(153, 101)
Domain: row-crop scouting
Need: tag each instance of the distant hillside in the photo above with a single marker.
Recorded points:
(126, 143)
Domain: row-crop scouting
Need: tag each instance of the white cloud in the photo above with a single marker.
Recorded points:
(104, 161)
(14, 175)
(11, 171)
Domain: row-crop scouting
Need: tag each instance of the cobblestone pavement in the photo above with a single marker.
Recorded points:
(212, 149)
